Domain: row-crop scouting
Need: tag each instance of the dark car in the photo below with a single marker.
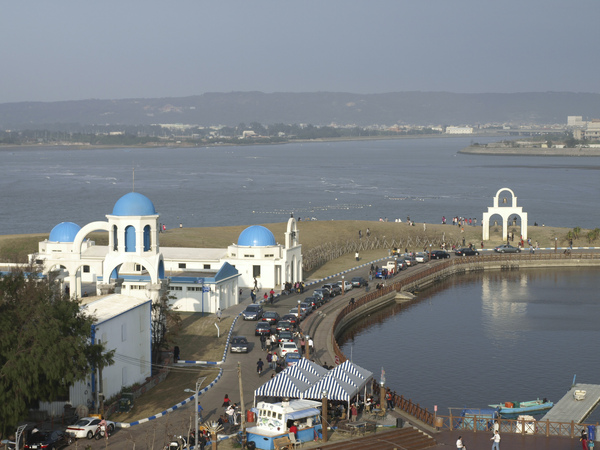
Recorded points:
(291, 318)
(322, 293)
(252, 312)
(307, 307)
(262, 328)
(270, 316)
(333, 289)
(466, 252)
(359, 282)
(53, 440)
(410, 260)
(285, 336)
(239, 344)
(284, 325)
(439, 254)
(507, 249)
(314, 301)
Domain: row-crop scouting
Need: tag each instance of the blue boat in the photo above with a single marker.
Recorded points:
(529, 407)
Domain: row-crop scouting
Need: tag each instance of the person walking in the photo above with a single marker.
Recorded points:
(263, 342)
(356, 256)
(459, 444)
(496, 439)
(259, 366)
(353, 413)
(274, 360)
(219, 314)
(273, 340)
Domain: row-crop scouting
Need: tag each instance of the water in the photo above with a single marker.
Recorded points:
(364, 180)
(487, 338)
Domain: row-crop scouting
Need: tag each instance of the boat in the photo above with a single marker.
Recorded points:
(515, 408)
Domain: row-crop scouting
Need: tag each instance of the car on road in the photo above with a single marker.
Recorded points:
(359, 282)
(466, 252)
(506, 248)
(292, 358)
(285, 336)
(322, 293)
(410, 260)
(345, 285)
(253, 312)
(287, 347)
(439, 254)
(422, 257)
(86, 427)
(270, 316)
(333, 289)
(307, 307)
(301, 315)
(239, 344)
(312, 301)
(291, 318)
(48, 440)
(262, 328)
(284, 325)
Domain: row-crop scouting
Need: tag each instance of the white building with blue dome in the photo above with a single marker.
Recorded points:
(134, 264)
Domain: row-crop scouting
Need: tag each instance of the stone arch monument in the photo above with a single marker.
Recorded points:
(505, 212)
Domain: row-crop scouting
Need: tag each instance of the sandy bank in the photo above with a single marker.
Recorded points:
(523, 151)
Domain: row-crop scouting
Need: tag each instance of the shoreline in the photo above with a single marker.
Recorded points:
(527, 151)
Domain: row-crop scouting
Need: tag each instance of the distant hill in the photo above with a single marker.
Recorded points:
(317, 108)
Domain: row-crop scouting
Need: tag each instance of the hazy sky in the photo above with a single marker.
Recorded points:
(74, 49)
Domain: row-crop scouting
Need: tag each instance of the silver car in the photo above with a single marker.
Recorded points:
(507, 249)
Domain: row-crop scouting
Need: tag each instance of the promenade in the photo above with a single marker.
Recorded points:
(155, 433)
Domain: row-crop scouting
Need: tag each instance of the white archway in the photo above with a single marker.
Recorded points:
(504, 212)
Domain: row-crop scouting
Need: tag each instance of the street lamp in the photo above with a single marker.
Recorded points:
(196, 392)
(324, 416)
(343, 286)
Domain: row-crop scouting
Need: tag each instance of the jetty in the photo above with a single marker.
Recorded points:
(578, 403)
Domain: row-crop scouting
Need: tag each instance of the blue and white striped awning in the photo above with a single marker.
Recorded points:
(292, 381)
(336, 389)
(353, 374)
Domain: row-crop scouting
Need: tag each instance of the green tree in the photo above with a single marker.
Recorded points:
(44, 344)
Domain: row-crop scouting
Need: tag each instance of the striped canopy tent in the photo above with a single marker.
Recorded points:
(356, 373)
(292, 381)
(337, 388)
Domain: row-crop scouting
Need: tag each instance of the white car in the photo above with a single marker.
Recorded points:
(86, 427)
(345, 285)
(300, 316)
(287, 347)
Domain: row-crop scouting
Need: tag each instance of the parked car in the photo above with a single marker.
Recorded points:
(270, 316)
(322, 293)
(422, 257)
(466, 252)
(313, 301)
(439, 254)
(262, 328)
(359, 282)
(506, 248)
(292, 358)
(291, 318)
(300, 315)
(345, 285)
(253, 312)
(239, 344)
(382, 272)
(284, 325)
(307, 306)
(53, 440)
(287, 347)
(285, 336)
(410, 260)
(87, 426)
(333, 289)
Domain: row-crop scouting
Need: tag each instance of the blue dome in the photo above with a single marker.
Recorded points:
(134, 204)
(256, 236)
(64, 232)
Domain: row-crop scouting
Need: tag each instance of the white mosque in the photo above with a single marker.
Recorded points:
(134, 264)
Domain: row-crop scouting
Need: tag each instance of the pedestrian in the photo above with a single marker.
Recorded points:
(269, 358)
(255, 284)
(310, 345)
(459, 443)
(266, 297)
(356, 256)
(263, 342)
(368, 232)
(389, 399)
(302, 345)
(273, 340)
(496, 426)
(481, 245)
(253, 296)
(360, 234)
(219, 314)
(274, 360)
(226, 401)
(496, 439)
(353, 413)
(176, 353)
(584, 439)
(231, 412)
(259, 366)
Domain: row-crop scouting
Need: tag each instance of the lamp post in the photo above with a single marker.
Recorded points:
(324, 415)
(343, 286)
(196, 392)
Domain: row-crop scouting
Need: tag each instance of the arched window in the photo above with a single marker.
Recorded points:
(147, 238)
(130, 238)
(115, 238)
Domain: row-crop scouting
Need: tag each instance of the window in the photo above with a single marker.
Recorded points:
(256, 271)
(176, 288)
(248, 256)
(269, 256)
(195, 288)
(182, 265)
(123, 332)
(86, 269)
(207, 266)
(138, 268)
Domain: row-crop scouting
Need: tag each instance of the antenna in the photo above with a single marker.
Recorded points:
(133, 181)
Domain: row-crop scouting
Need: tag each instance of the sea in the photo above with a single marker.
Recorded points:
(471, 341)
(425, 179)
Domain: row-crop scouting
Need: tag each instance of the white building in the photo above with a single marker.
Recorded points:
(459, 130)
(122, 324)
(134, 264)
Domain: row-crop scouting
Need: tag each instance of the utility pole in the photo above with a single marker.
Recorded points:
(242, 408)
(324, 416)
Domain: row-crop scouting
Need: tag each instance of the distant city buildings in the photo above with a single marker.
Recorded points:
(588, 130)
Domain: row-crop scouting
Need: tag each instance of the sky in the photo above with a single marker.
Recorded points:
(74, 50)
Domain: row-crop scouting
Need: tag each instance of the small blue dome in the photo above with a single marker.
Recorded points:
(256, 236)
(64, 232)
(134, 204)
